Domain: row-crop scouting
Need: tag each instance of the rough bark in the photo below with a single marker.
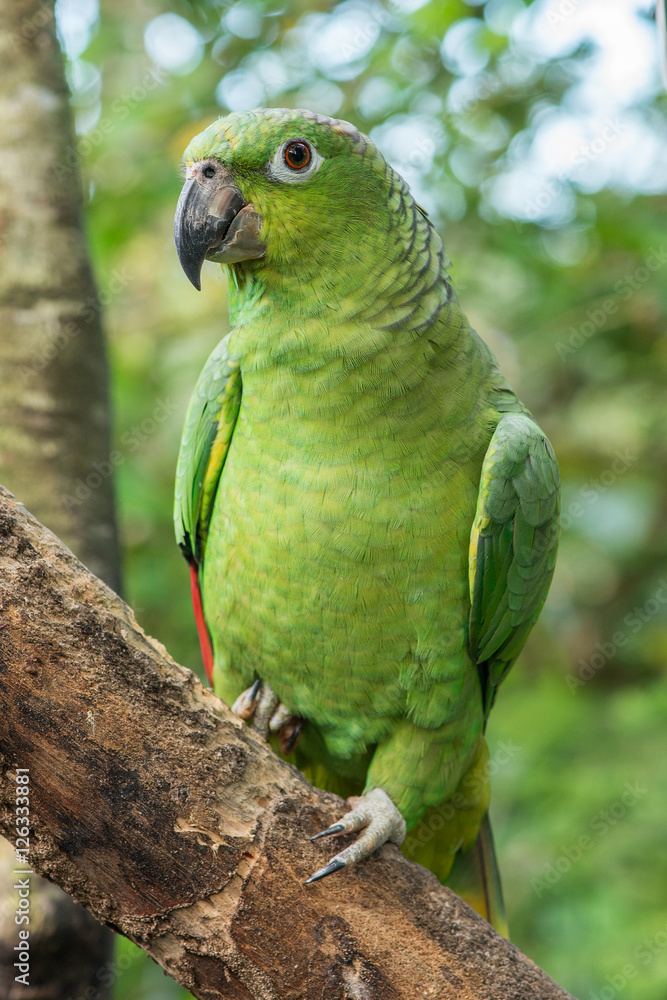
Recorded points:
(174, 823)
(54, 406)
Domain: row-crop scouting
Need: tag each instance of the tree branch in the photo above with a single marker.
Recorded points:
(171, 821)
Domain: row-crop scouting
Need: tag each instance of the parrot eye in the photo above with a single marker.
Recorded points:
(293, 161)
(297, 155)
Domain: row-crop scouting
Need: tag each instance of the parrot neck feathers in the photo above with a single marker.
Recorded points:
(349, 304)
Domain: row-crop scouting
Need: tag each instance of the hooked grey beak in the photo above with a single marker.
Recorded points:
(214, 221)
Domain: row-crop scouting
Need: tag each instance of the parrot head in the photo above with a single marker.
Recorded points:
(283, 186)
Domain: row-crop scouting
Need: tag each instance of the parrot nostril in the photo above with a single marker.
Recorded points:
(208, 171)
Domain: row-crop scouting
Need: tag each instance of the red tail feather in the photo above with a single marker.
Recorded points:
(204, 637)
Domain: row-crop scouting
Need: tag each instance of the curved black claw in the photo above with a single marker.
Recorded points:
(376, 815)
(245, 704)
(333, 866)
(290, 734)
(336, 828)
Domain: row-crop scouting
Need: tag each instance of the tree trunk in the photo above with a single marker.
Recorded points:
(54, 407)
(176, 824)
(54, 399)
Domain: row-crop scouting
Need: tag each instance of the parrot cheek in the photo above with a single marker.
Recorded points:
(243, 240)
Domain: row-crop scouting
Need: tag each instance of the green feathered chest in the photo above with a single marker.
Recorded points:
(337, 557)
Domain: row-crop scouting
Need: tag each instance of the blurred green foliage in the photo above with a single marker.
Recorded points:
(559, 260)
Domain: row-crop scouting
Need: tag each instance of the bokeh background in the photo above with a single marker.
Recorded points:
(535, 136)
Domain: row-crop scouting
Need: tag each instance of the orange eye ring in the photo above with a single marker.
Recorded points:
(297, 155)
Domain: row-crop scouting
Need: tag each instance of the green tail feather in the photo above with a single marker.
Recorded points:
(476, 879)
(469, 871)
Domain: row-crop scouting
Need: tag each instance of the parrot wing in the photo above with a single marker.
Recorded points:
(209, 425)
(208, 429)
(512, 547)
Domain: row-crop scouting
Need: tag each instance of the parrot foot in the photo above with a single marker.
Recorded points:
(268, 715)
(381, 822)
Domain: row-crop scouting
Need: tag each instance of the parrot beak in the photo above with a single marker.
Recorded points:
(213, 221)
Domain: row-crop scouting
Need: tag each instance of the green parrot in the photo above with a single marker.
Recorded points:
(369, 513)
